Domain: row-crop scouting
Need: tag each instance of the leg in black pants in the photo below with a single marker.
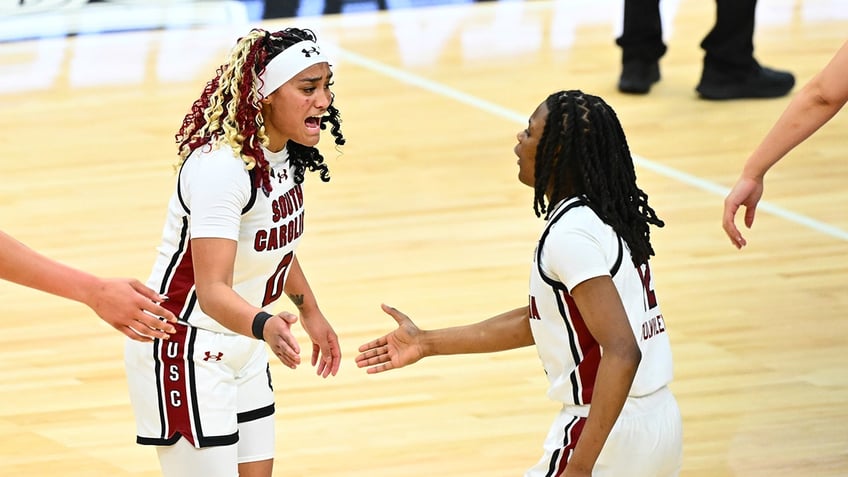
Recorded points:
(641, 45)
(730, 70)
(729, 46)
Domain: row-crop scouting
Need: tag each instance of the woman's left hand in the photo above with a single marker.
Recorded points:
(326, 353)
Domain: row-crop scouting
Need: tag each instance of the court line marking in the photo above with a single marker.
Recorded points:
(494, 109)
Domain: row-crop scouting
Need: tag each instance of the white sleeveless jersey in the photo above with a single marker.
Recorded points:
(215, 198)
(577, 245)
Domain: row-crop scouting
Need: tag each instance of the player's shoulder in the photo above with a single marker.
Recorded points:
(215, 157)
(573, 213)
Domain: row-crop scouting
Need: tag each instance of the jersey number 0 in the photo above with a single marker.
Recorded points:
(275, 285)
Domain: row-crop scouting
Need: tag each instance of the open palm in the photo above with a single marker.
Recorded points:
(397, 349)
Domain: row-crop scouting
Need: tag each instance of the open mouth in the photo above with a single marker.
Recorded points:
(313, 122)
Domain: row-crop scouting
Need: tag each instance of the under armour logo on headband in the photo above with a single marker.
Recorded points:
(287, 64)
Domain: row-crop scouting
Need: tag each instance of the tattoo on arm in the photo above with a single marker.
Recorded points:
(297, 300)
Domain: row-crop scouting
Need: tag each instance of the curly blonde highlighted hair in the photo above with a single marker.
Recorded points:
(229, 110)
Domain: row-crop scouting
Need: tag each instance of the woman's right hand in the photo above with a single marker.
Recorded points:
(399, 348)
(277, 333)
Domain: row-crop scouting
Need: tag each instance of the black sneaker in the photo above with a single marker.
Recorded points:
(761, 83)
(637, 77)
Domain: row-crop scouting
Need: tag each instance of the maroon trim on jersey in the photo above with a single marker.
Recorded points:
(181, 284)
(560, 457)
(589, 351)
(585, 351)
(178, 280)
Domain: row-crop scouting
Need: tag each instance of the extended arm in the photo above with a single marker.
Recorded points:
(813, 106)
(124, 303)
(326, 353)
(601, 308)
(408, 344)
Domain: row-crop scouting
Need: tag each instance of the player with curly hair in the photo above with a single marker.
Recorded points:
(228, 253)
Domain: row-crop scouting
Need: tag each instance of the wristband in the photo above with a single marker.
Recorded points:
(259, 324)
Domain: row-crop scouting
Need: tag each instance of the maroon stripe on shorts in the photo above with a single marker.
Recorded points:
(174, 380)
(560, 458)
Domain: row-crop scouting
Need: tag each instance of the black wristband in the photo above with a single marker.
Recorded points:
(259, 324)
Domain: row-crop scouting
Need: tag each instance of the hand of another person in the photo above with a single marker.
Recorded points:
(277, 333)
(746, 192)
(397, 349)
(129, 306)
(326, 353)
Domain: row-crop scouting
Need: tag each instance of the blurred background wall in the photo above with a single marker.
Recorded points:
(29, 19)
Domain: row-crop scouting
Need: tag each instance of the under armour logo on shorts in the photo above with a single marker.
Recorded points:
(213, 357)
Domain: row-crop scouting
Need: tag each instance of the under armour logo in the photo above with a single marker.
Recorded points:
(214, 357)
(281, 176)
(310, 51)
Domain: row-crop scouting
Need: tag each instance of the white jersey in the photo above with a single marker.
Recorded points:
(577, 245)
(215, 198)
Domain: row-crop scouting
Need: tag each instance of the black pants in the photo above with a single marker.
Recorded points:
(729, 46)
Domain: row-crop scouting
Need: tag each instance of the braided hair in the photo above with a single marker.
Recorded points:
(229, 110)
(583, 151)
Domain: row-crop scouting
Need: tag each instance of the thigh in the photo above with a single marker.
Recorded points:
(559, 444)
(257, 440)
(174, 395)
(646, 443)
(262, 468)
(188, 387)
(255, 390)
(256, 448)
(184, 460)
(256, 409)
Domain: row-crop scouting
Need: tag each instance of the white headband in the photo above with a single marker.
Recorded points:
(289, 63)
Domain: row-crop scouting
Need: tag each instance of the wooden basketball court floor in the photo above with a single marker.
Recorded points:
(424, 212)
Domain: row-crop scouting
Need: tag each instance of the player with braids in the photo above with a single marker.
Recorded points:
(603, 168)
(592, 313)
(204, 398)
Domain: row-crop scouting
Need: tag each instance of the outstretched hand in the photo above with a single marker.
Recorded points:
(132, 308)
(746, 192)
(397, 349)
(277, 333)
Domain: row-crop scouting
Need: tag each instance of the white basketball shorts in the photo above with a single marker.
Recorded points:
(646, 440)
(200, 385)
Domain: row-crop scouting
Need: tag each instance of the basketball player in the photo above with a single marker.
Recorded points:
(124, 303)
(228, 253)
(818, 101)
(592, 312)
